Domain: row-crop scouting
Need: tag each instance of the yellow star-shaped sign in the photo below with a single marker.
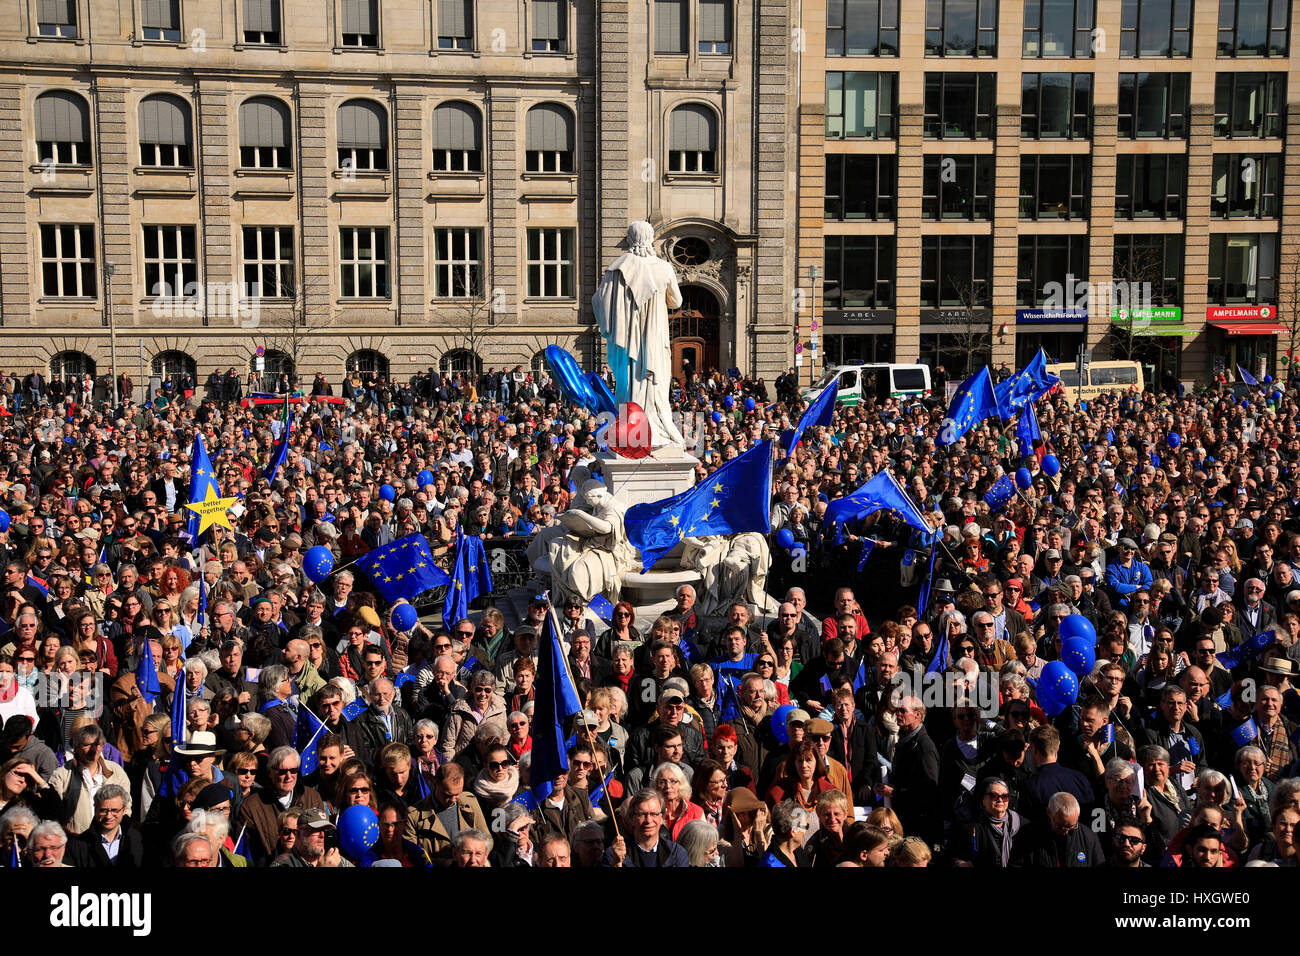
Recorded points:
(212, 510)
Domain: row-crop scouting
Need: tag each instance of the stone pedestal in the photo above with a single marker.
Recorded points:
(667, 472)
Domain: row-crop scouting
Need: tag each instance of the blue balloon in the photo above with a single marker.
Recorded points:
(1276, 396)
(1268, 379)
(1083, 406)
(4, 521)
(404, 617)
(717, 417)
(358, 830)
(318, 563)
(1058, 688)
(779, 716)
(749, 404)
(1080, 655)
(1175, 439)
(572, 381)
(785, 538)
(1076, 625)
(604, 397)
(728, 401)
(1051, 465)
(1245, 403)
(388, 492)
(1023, 478)
(424, 478)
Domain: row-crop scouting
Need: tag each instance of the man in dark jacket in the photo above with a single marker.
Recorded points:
(853, 743)
(913, 785)
(1168, 728)
(962, 757)
(329, 703)
(1059, 841)
(383, 722)
(649, 846)
(111, 841)
(1051, 777)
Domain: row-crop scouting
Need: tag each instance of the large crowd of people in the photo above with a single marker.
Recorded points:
(884, 715)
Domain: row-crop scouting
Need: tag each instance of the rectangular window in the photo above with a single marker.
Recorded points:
(1151, 268)
(1246, 187)
(456, 24)
(1243, 268)
(959, 105)
(160, 20)
(715, 27)
(268, 262)
(1153, 105)
(1150, 186)
(171, 261)
(551, 266)
(1056, 105)
(859, 272)
(1253, 27)
(458, 263)
(862, 28)
(1156, 28)
(1054, 187)
(262, 22)
(360, 23)
(961, 27)
(1049, 268)
(1249, 105)
(1059, 28)
(68, 262)
(363, 263)
(955, 272)
(861, 105)
(56, 18)
(550, 18)
(670, 26)
(957, 187)
(860, 186)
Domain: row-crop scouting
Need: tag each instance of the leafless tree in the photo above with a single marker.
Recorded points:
(1289, 295)
(304, 315)
(967, 324)
(1136, 267)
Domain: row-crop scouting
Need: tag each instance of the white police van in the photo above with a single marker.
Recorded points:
(883, 380)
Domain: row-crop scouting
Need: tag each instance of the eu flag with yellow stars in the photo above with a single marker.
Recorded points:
(973, 402)
(402, 569)
(733, 499)
(201, 479)
(470, 577)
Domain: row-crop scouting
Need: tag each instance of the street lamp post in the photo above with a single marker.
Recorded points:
(109, 271)
(814, 273)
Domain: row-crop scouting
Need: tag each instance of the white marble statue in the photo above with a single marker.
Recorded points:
(593, 555)
(734, 568)
(631, 305)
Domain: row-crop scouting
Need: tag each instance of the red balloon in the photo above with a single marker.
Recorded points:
(629, 436)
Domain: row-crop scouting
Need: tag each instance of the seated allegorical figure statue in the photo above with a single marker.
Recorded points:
(593, 554)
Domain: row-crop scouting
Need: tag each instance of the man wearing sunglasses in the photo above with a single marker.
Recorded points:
(261, 808)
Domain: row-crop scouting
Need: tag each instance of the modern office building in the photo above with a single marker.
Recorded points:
(981, 178)
(388, 184)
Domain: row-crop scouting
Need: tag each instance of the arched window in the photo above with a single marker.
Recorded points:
(363, 135)
(173, 365)
(538, 364)
(460, 360)
(71, 366)
(693, 140)
(367, 360)
(63, 128)
(457, 138)
(274, 362)
(265, 137)
(165, 132)
(549, 139)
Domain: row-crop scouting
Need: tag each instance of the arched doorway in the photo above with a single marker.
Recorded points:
(693, 329)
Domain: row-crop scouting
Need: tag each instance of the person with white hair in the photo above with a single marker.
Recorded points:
(1062, 839)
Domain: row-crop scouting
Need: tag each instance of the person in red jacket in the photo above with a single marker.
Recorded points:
(845, 603)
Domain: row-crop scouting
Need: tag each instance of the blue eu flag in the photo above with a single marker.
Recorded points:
(201, 479)
(178, 709)
(1247, 651)
(555, 701)
(306, 737)
(281, 448)
(973, 402)
(1026, 386)
(602, 608)
(733, 499)
(881, 493)
(470, 577)
(1246, 376)
(1244, 733)
(1027, 431)
(146, 675)
(819, 413)
(403, 569)
(1003, 490)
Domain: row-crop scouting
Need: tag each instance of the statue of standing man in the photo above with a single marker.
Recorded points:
(631, 305)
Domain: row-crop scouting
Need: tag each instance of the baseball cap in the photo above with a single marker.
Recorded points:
(314, 818)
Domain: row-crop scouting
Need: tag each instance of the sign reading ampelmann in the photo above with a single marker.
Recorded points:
(77, 910)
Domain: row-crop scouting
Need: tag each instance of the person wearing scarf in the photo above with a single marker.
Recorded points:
(498, 782)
